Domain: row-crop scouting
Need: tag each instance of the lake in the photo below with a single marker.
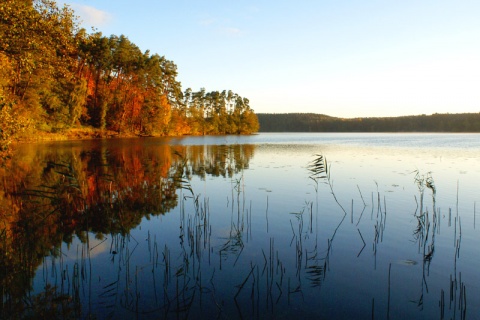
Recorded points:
(315, 226)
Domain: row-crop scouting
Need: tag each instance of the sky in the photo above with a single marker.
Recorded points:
(342, 58)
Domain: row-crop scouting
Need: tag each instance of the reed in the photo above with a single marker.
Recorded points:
(256, 274)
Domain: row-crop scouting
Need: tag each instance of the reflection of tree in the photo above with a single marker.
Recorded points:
(223, 160)
(50, 196)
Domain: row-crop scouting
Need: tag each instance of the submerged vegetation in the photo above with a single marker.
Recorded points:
(54, 76)
(45, 204)
(129, 231)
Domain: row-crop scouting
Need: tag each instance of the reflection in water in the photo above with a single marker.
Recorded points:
(144, 229)
(55, 197)
(424, 234)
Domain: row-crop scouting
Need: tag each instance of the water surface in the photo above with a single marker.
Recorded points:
(243, 227)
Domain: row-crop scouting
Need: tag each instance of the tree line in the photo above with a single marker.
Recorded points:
(310, 122)
(55, 76)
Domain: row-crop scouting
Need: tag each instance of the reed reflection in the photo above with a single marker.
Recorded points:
(75, 221)
(50, 197)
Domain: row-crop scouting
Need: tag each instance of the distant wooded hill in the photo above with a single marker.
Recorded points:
(311, 122)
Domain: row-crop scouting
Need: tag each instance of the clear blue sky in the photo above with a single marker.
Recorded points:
(342, 58)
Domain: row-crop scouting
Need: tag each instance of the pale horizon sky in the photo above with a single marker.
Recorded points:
(346, 58)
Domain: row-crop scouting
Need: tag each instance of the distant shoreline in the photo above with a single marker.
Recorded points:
(312, 122)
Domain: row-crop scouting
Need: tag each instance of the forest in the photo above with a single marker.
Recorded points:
(310, 122)
(55, 77)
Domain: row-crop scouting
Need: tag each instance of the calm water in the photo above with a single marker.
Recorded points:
(243, 227)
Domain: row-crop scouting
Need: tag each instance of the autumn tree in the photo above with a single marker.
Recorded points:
(60, 77)
(220, 113)
(38, 41)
